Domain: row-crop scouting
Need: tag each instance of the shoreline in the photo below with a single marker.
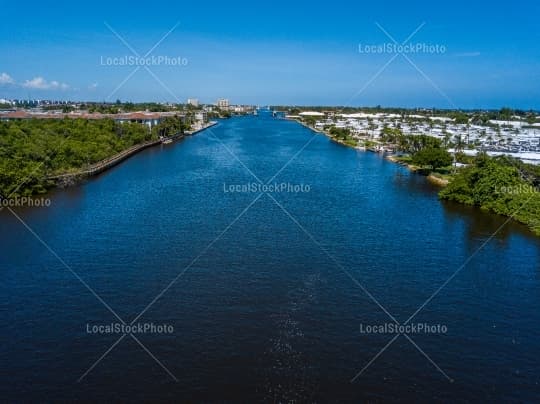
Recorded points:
(431, 178)
(322, 132)
(441, 182)
(206, 126)
(71, 179)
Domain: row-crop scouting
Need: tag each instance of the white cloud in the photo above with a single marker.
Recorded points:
(6, 79)
(39, 83)
(93, 86)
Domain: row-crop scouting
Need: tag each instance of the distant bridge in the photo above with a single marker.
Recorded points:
(278, 113)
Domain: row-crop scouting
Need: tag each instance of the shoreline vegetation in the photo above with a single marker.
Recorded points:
(40, 154)
(501, 185)
(46, 143)
(69, 179)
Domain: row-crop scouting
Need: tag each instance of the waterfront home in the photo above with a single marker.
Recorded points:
(146, 118)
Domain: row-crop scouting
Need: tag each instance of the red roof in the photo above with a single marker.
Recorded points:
(138, 116)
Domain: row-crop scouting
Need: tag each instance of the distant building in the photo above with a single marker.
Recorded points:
(238, 109)
(223, 103)
(201, 116)
(311, 114)
(148, 119)
(193, 101)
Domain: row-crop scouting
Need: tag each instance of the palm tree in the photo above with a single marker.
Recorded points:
(446, 138)
(459, 143)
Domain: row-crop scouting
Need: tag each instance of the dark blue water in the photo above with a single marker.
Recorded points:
(270, 300)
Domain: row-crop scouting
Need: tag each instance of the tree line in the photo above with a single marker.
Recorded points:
(499, 184)
(34, 149)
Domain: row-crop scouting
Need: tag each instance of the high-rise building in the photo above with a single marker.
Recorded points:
(193, 101)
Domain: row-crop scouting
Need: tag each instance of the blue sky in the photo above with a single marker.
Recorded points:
(275, 52)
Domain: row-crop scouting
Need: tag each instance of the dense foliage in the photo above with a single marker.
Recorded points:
(170, 126)
(32, 150)
(109, 108)
(499, 185)
(409, 143)
(433, 157)
(343, 135)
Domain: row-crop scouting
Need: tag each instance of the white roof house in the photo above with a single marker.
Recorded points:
(311, 113)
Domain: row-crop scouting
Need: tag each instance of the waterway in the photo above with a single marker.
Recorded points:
(265, 297)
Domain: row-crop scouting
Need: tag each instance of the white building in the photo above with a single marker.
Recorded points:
(223, 103)
(312, 114)
(193, 101)
(149, 119)
(201, 116)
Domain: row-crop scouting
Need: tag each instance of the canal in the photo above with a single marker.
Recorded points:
(259, 261)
